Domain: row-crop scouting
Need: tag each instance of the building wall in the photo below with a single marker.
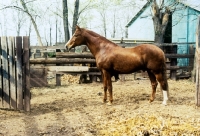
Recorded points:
(184, 30)
(184, 22)
(142, 27)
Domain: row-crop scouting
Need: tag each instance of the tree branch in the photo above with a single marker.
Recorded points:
(15, 7)
(30, 1)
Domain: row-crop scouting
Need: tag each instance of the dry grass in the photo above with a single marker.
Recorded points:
(77, 110)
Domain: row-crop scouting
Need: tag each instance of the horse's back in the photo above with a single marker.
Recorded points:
(150, 55)
(153, 56)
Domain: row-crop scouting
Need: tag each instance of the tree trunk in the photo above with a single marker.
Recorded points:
(76, 15)
(33, 21)
(65, 20)
(114, 28)
(160, 21)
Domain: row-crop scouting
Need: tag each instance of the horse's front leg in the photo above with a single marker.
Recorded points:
(107, 85)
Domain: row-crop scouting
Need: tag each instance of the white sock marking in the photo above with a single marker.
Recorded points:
(165, 97)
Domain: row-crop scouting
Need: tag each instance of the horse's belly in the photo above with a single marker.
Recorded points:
(126, 69)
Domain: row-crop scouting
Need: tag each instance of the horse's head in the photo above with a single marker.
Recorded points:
(76, 40)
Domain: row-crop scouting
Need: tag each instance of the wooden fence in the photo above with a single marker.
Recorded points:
(197, 57)
(15, 69)
(14, 73)
(45, 64)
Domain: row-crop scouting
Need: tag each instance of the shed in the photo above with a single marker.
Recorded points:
(181, 28)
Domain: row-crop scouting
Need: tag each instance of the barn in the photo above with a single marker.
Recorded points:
(181, 28)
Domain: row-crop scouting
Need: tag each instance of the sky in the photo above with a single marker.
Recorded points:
(46, 18)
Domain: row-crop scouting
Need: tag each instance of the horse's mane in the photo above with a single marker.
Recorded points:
(98, 35)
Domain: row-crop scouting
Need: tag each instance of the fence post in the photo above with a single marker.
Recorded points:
(6, 93)
(19, 72)
(1, 86)
(197, 96)
(13, 96)
(26, 58)
(58, 76)
(173, 62)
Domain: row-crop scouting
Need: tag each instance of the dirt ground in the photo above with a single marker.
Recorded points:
(77, 110)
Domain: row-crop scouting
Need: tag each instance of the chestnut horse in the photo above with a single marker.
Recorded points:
(112, 59)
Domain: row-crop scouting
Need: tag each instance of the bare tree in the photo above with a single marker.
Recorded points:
(33, 21)
(65, 20)
(76, 15)
(102, 9)
(3, 22)
(18, 17)
(26, 10)
(160, 20)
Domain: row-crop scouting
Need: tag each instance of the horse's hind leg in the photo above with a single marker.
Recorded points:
(164, 86)
(154, 84)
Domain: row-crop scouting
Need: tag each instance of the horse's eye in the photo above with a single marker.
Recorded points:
(76, 35)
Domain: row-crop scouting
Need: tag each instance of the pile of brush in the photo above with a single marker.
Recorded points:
(69, 79)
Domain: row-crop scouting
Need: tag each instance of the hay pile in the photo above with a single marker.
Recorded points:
(70, 79)
(146, 125)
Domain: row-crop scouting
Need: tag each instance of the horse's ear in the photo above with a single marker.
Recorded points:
(77, 27)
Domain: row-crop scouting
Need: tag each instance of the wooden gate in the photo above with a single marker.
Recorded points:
(14, 73)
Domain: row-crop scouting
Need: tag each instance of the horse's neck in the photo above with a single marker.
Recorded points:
(92, 42)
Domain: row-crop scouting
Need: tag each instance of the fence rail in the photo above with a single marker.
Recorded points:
(15, 72)
(87, 58)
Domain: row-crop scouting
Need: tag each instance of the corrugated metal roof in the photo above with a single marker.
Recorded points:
(194, 4)
(138, 14)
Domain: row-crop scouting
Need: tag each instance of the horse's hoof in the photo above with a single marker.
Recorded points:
(164, 103)
(150, 100)
(109, 103)
(104, 100)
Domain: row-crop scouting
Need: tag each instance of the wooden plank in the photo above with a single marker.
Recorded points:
(127, 43)
(37, 72)
(86, 68)
(73, 55)
(6, 93)
(179, 55)
(65, 68)
(38, 77)
(81, 73)
(197, 95)
(173, 62)
(1, 76)
(178, 67)
(89, 55)
(38, 82)
(68, 68)
(191, 52)
(198, 36)
(26, 45)
(19, 72)
(48, 47)
(58, 77)
(13, 96)
(60, 61)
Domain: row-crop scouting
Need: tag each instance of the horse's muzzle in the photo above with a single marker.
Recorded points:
(68, 47)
